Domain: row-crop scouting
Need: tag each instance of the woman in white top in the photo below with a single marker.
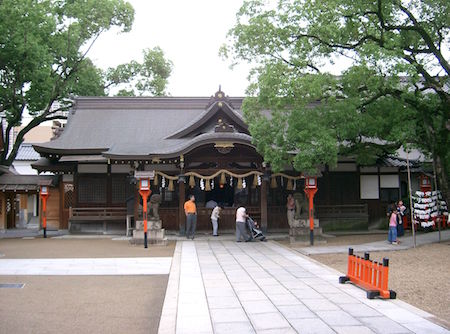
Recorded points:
(215, 215)
(241, 230)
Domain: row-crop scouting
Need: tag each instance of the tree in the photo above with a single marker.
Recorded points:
(148, 77)
(43, 60)
(394, 90)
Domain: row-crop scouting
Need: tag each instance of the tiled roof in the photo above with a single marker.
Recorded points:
(145, 127)
(27, 153)
(20, 183)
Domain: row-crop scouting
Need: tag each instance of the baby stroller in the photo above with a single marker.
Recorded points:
(254, 232)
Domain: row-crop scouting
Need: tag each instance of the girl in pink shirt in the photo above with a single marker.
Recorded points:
(392, 236)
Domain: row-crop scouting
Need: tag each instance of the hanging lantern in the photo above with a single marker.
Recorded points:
(207, 186)
(156, 181)
(255, 181)
(192, 181)
(223, 179)
(171, 187)
(273, 182)
(239, 184)
(289, 185)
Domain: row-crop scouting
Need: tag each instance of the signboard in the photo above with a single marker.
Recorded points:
(145, 174)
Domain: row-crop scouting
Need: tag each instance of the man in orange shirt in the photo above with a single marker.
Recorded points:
(190, 210)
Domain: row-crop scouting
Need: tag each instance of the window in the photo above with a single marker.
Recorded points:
(121, 189)
(369, 187)
(92, 189)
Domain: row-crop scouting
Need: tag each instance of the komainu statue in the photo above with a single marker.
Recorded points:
(301, 206)
(155, 201)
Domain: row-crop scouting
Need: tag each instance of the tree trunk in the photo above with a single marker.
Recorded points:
(442, 177)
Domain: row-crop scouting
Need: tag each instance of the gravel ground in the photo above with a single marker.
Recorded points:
(40, 248)
(81, 304)
(420, 276)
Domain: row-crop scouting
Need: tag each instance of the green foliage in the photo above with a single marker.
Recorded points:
(393, 92)
(148, 77)
(43, 48)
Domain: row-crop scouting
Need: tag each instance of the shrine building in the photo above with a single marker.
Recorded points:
(194, 145)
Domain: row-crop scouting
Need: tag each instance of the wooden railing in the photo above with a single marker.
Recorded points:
(89, 214)
(342, 211)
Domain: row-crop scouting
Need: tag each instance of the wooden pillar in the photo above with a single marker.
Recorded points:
(108, 186)
(264, 205)
(181, 200)
(2, 211)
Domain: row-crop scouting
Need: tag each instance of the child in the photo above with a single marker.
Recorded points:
(392, 236)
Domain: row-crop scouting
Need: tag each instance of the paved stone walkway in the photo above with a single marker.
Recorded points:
(405, 243)
(91, 266)
(227, 287)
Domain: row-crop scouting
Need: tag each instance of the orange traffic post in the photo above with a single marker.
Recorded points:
(369, 275)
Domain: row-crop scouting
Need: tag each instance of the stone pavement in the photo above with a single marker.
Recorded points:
(227, 287)
(405, 243)
(91, 266)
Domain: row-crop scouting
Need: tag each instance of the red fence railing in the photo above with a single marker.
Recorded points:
(369, 275)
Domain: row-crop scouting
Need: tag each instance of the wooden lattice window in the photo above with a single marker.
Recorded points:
(121, 189)
(92, 189)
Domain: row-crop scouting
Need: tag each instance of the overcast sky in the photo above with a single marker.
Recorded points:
(190, 34)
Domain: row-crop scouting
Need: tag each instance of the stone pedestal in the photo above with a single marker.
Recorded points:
(155, 233)
(299, 232)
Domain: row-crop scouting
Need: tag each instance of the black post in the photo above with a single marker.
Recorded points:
(350, 251)
(145, 229)
(385, 262)
(366, 255)
(311, 231)
(45, 232)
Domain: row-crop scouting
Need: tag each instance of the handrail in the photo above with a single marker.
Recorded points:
(98, 212)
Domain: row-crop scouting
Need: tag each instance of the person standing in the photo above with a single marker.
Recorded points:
(241, 230)
(190, 209)
(290, 206)
(215, 215)
(392, 236)
(401, 210)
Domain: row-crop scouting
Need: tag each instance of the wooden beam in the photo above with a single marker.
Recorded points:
(181, 215)
(263, 205)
